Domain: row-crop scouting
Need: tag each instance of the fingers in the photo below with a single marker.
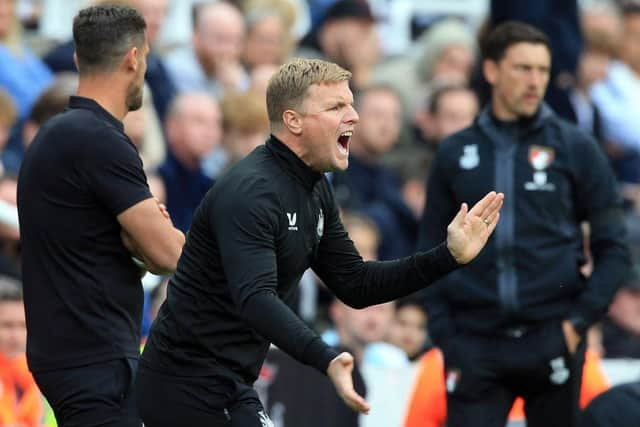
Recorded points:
(479, 208)
(492, 225)
(355, 401)
(488, 207)
(459, 218)
(491, 211)
(339, 371)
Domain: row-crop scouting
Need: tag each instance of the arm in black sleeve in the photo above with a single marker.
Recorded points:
(599, 203)
(274, 320)
(361, 284)
(247, 245)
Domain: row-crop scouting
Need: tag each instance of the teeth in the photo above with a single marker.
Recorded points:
(347, 133)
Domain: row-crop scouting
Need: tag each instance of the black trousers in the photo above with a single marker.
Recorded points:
(484, 375)
(169, 401)
(97, 395)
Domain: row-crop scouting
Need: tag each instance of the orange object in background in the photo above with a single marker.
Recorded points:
(20, 400)
(427, 406)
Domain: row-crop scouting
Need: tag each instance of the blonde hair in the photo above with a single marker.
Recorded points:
(245, 112)
(288, 86)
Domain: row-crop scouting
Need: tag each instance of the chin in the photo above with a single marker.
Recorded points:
(341, 166)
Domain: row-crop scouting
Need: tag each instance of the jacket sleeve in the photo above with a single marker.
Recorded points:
(245, 221)
(361, 284)
(440, 208)
(598, 202)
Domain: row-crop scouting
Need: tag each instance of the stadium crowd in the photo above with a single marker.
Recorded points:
(417, 79)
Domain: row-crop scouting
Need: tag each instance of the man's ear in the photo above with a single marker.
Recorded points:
(75, 61)
(292, 121)
(490, 71)
(131, 59)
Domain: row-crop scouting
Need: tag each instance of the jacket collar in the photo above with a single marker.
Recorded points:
(488, 122)
(292, 164)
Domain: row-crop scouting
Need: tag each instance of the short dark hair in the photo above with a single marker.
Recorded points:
(103, 34)
(630, 8)
(10, 289)
(509, 33)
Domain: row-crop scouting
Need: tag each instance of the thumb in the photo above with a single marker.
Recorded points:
(345, 359)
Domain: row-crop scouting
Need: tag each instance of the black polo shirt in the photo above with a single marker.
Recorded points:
(82, 292)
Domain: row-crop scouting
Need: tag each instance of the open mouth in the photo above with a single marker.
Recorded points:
(343, 142)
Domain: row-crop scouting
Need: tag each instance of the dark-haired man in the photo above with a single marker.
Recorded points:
(85, 208)
(513, 322)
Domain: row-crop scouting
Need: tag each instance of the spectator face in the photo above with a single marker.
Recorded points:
(351, 42)
(453, 65)
(380, 121)
(408, 330)
(219, 36)
(592, 68)
(134, 127)
(154, 13)
(7, 15)
(13, 330)
(366, 241)
(455, 111)
(367, 325)
(631, 42)
(327, 119)
(265, 42)
(240, 144)
(194, 127)
(519, 80)
(260, 76)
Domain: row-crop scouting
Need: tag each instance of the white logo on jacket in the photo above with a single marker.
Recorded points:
(320, 226)
(559, 372)
(292, 217)
(540, 158)
(470, 158)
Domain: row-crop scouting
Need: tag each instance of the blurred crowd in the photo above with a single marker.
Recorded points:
(416, 80)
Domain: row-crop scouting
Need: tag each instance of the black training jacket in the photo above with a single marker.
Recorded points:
(254, 234)
(554, 176)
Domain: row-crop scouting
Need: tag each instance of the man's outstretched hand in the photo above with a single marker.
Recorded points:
(468, 232)
(339, 371)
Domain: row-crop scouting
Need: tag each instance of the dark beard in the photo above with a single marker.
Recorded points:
(134, 99)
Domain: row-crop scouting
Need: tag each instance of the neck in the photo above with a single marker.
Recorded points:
(189, 162)
(500, 112)
(298, 149)
(107, 91)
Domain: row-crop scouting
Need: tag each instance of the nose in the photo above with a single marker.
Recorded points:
(537, 78)
(352, 116)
